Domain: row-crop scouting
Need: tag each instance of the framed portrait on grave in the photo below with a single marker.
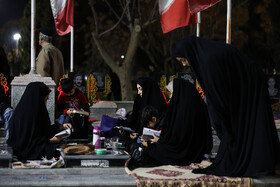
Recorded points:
(100, 81)
(79, 80)
(273, 85)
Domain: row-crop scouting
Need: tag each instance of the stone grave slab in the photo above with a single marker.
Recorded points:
(6, 156)
(102, 107)
(128, 105)
(108, 160)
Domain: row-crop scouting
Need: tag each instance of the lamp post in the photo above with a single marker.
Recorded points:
(16, 38)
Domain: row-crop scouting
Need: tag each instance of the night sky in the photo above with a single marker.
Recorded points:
(11, 9)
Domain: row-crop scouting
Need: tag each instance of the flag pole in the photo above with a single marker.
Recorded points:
(72, 50)
(33, 45)
(198, 24)
(228, 37)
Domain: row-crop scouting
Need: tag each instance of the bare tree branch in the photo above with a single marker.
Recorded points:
(121, 3)
(110, 62)
(139, 11)
(153, 16)
(128, 15)
(94, 16)
(149, 54)
(112, 28)
(114, 12)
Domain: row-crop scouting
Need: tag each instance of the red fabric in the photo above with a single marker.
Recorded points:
(164, 97)
(199, 5)
(176, 15)
(64, 19)
(74, 101)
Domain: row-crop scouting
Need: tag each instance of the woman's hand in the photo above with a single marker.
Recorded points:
(56, 139)
(66, 126)
(122, 132)
(155, 139)
(133, 135)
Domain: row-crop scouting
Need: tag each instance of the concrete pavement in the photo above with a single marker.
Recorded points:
(66, 177)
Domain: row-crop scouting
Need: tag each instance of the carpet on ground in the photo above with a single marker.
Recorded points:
(181, 176)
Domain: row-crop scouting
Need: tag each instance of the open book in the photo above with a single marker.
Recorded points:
(64, 133)
(147, 134)
(81, 112)
(127, 129)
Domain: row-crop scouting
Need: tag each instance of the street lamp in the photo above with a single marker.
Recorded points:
(16, 38)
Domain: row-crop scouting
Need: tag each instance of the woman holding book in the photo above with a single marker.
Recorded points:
(186, 132)
(31, 133)
(149, 93)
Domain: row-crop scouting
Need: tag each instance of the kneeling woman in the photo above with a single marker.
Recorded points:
(31, 133)
(186, 132)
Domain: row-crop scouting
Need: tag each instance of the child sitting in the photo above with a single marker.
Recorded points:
(70, 98)
(5, 111)
(150, 118)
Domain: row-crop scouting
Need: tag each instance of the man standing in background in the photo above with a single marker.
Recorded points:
(49, 62)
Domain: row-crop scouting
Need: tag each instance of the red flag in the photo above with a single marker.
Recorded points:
(199, 5)
(175, 14)
(63, 13)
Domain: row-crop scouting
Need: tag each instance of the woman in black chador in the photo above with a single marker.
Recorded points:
(238, 104)
(186, 132)
(31, 132)
(149, 93)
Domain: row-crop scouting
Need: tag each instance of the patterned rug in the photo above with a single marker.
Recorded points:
(181, 176)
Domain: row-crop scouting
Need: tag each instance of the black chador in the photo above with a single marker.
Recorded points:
(186, 132)
(151, 95)
(30, 125)
(239, 107)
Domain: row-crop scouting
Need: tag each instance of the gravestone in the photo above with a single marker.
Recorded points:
(128, 105)
(102, 107)
(18, 87)
(110, 159)
(6, 156)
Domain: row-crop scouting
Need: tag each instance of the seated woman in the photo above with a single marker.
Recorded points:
(149, 93)
(31, 133)
(186, 132)
(238, 105)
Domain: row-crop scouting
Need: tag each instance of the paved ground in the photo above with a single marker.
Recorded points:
(107, 177)
(66, 177)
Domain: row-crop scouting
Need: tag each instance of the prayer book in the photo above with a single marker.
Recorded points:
(127, 129)
(147, 134)
(64, 133)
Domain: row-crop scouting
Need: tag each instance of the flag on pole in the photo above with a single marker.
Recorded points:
(199, 5)
(175, 14)
(63, 13)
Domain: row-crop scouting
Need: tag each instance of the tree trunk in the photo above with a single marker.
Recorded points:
(125, 72)
(126, 86)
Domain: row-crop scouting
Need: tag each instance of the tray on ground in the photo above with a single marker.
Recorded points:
(108, 160)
